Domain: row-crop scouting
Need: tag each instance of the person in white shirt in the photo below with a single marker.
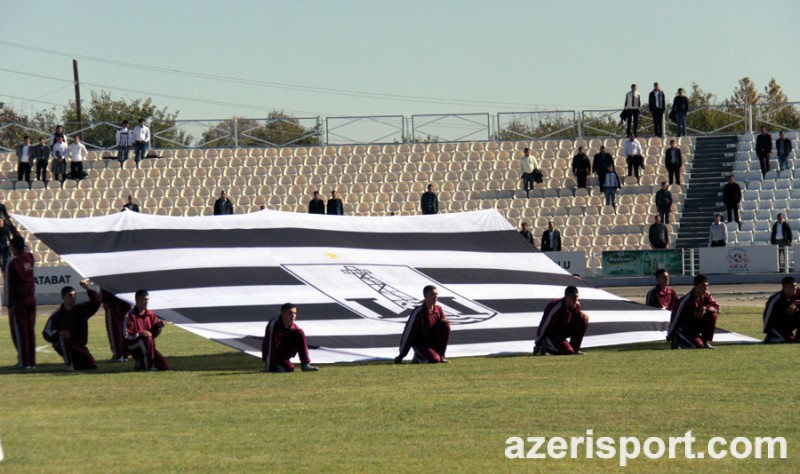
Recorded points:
(59, 158)
(527, 166)
(24, 159)
(76, 153)
(633, 103)
(141, 137)
(718, 233)
(633, 156)
(124, 139)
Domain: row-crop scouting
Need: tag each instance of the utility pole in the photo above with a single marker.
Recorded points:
(77, 93)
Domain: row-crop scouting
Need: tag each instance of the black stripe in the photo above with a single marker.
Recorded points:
(503, 241)
(457, 276)
(538, 305)
(196, 278)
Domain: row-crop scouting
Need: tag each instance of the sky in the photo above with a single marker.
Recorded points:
(362, 58)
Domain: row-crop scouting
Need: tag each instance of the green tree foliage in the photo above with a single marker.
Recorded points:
(544, 125)
(278, 129)
(775, 108)
(104, 115)
(14, 125)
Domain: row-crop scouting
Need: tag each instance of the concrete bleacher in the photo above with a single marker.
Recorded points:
(372, 180)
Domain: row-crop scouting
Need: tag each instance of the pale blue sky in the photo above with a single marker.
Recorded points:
(438, 56)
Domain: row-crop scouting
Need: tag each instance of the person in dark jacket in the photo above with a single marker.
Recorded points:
(782, 237)
(316, 205)
(673, 161)
(664, 202)
(657, 104)
(527, 234)
(602, 160)
(335, 206)
(783, 148)
(680, 107)
(551, 239)
(658, 234)
(68, 328)
(223, 205)
(732, 197)
(429, 202)
(764, 150)
(581, 167)
(41, 158)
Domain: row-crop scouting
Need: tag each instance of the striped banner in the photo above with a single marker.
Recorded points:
(354, 279)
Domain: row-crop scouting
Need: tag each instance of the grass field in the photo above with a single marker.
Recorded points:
(217, 412)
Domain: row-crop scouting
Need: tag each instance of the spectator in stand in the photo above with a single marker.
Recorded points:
(316, 205)
(581, 167)
(41, 158)
(76, 153)
(223, 206)
(764, 150)
(633, 102)
(611, 185)
(732, 197)
(429, 202)
(527, 234)
(24, 159)
(124, 139)
(528, 166)
(664, 202)
(657, 104)
(782, 237)
(783, 148)
(58, 133)
(602, 160)
(551, 239)
(680, 107)
(673, 161)
(335, 206)
(60, 158)
(130, 205)
(782, 314)
(3, 211)
(661, 295)
(141, 137)
(694, 319)
(718, 233)
(658, 234)
(633, 156)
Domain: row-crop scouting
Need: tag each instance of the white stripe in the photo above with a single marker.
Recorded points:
(768, 311)
(231, 296)
(489, 291)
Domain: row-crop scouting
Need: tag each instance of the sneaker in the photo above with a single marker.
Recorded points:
(709, 346)
(69, 368)
(118, 359)
(279, 369)
(579, 353)
(30, 367)
(444, 361)
(308, 368)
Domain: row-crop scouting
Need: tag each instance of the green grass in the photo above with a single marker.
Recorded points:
(217, 412)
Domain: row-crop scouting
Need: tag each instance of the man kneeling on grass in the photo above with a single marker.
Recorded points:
(694, 318)
(142, 327)
(68, 328)
(782, 313)
(427, 331)
(282, 341)
(562, 319)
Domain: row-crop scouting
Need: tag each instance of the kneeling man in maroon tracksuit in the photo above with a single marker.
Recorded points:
(282, 341)
(694, 318)
(142, 327)
(782, 314)
(562, 319)
(68, 328)
(427, 331)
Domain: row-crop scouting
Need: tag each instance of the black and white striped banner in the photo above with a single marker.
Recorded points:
(354, 279)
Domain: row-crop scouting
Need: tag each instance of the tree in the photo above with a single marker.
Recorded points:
(14, 125)
(278, 129)
(104, 116)
(539, 125)
(775, 109)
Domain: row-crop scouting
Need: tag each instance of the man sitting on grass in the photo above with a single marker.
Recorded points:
(782, 313)
(142, 327)
(282, 341)
(68, 328)
(694, 318)
(427, 331)
(661, 295)
(562, 319)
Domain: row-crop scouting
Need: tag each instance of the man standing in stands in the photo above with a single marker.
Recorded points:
(782, 237)
(24, 159)
(673, 161)
(116, 311)
(527, 165)
(335, 206)
(680, 105)
(657, 104)
(141, 329)
(427, 331)
(130, 205)
(527, 234)
(76, 154)
(21, 301)
(551, 239)
(316, 205)
(661, 295)
(782, 314)
(68, 328)
(732, 197)
(124, 137)
(141, 137)
(633, 156)
(60, 158)
(633, 103)
(602, 160)
(694, 318)
(658, 234)
(429, 202)
(581, 167)
(41, 158)
(764, 150)
(783, 148)
(282, 341)
(223, 206)
(610, 186)
(562, 319)
(664, 202)
(717, 233)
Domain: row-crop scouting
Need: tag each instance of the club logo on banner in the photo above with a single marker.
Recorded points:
(385, 292)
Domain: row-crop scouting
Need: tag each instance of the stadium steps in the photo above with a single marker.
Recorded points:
(713, 162)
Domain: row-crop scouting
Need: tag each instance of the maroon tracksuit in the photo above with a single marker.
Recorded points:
(21, 292)
(116, 310)
(690, 326)
(559, 323)
(280, 344)
(427, 331)
(664, 299)
(781, 321)
(75, 321)
(142, 347)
